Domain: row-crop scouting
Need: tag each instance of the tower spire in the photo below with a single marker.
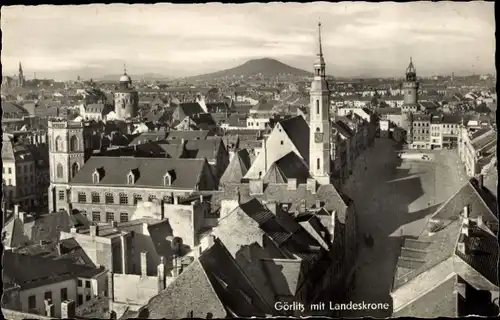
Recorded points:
(320, 49)
(124, 68)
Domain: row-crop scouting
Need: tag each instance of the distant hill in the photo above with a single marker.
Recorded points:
(266, 67)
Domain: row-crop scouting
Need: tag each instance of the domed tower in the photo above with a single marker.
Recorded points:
(320, 126)
(410, 87)
(126, 98)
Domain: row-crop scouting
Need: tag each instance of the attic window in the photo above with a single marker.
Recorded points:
(131, 177)
(96, 176)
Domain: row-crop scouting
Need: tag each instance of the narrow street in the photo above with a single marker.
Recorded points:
(394, 198)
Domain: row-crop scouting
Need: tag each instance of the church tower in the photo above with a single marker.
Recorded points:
(320, 127)
(20, 80)
(410, 87)
(66, 157)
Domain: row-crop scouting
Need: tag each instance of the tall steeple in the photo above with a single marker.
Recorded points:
(319, 65)
(20, 76)
(319, 124)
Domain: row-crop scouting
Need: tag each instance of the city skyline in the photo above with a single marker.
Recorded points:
(359, 39)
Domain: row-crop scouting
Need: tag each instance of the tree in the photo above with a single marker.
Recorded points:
(482, 108)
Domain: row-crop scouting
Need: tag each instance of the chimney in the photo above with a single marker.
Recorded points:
(161, 275)
(68, 309)
(114, 224)
(144, 264)
(480, 181)
(94, 230)
(22, 216)
(466, 211)
(318, 204)
(176, 199)
(461, 246)
(201, 198)
(49, 308)
(292, 184)
(73, 230)
(480, 221)
(16, 211)
(311, 185)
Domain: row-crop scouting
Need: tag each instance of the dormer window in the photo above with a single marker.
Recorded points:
(169, 178)
(97, 175)
(132, 176)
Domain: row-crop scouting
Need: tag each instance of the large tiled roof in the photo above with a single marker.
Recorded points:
(290, 166)
(149, 172)
(48, 227)
(204, 289)
(189, 109)
(187, 135)
(441, 301)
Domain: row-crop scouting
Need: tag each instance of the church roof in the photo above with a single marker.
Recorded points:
(275, 175)
(290, 166)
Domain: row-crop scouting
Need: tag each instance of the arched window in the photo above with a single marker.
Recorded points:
(318, 163)
(59, 171)
(317, 106)
(58, 144)
(74, 169)
(73, 143)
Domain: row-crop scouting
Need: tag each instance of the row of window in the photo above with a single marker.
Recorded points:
(60, 170)
(27, 168)
(46, 296)
(109, 198)
(26, 180)
(59, 144)
(110, 216)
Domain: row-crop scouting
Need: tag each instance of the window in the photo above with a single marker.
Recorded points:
(47, 295)
(110, 217)
(96, 216)
(110, 199)
(32, 302)
(87, 284)
(73, 143)
(95, 177)
(10, 170)
(317, 106)
(64, 294)
(58, 144)
(87, 298)
(82, 197)
(123, 198)
(167, 199)
(80, 283)
(31, 168)
(80, 299)
(61, 194)
(318, 163)
(96, 198)
(137, 198)
(20, 169)
(59, 170)
(74, 169)
(31, 179)
(123, 217)
(151, 198)
(281, 142)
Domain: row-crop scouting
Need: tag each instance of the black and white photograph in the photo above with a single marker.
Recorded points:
(251, 160)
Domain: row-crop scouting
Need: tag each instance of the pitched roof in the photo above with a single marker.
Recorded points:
(188, 109)
(218, 290)
(237, 168)
(480, 202)
(187, 135)
(293, 167)
(297, 130)
(48, 227)
(289, 269)
(274, 175)
(148, 171)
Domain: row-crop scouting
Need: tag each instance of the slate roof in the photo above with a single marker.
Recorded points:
(293, 167)
(289, 269)
(205, 290)
(149, 172)
(188, 109)
(18, 268)
(237, 168)
(441, 301)
(297, 130)
(48, 227)
(187, 135)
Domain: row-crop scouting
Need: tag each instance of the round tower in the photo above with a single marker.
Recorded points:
(126, 99)
(410, 87)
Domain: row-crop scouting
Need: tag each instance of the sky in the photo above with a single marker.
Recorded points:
(176, 40)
